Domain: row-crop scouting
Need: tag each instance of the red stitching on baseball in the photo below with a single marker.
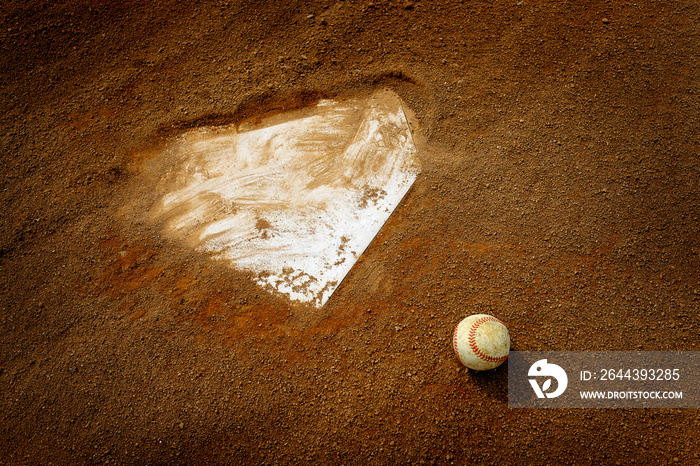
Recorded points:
(454, 343)
(472, 340)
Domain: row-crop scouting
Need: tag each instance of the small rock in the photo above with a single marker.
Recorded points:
(605, 20)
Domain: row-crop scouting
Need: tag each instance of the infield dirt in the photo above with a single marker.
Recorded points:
(559, 192)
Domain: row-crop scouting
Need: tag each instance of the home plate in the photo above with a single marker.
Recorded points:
(295, 198)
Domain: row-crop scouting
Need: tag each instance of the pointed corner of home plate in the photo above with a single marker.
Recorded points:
(295, 199)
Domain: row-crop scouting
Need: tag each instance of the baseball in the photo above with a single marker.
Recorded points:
(481, 342)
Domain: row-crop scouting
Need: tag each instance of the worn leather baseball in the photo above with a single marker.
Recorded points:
(481, 342)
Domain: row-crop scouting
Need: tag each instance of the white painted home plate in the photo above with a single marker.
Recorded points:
(296, 198)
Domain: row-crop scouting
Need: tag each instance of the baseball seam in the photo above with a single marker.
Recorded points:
(472, 340)
(454, 344)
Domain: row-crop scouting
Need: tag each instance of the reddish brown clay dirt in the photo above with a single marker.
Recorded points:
(559, 192)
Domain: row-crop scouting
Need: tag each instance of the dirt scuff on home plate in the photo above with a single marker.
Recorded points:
(558, 192)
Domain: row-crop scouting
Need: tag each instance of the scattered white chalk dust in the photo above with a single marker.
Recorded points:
(296, 198)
